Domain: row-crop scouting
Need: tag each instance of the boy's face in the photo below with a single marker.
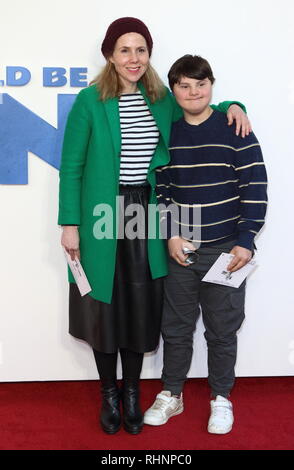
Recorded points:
(193, 95)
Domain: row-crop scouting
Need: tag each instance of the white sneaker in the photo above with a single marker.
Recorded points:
(164, 407)
(221, 417)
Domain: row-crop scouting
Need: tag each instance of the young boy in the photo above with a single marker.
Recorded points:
(225, 176)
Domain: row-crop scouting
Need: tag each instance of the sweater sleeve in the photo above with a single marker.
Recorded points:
(224, 106)
(164, 201)
(252, 184)
(76, 137)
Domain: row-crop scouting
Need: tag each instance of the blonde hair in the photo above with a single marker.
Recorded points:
(109, 84)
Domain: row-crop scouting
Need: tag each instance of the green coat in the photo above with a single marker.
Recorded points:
(89, 175)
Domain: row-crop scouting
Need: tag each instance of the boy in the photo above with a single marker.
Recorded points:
(225, 176)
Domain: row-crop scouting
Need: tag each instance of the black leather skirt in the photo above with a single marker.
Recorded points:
(133, 318)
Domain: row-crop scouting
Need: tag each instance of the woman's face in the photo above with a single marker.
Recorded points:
(131, 59)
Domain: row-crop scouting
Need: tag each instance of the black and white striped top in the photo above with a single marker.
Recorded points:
(139, 138)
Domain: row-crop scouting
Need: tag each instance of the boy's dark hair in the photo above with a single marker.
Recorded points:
(191, 66)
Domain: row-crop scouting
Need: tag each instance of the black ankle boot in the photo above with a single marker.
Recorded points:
(132, 414)
(110, 417)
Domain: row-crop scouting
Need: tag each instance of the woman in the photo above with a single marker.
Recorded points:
(116, 135)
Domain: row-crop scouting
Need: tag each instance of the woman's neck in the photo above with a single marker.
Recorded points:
(130, 88)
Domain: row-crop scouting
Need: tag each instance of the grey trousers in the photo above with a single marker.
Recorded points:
(222, 311)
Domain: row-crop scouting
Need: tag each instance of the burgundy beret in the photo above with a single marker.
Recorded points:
(123, 26)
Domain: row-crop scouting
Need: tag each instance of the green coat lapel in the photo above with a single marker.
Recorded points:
(158, 114)
(161, 155)
(112, 113)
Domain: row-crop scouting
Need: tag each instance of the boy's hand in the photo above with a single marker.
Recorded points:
(175, 248)
(70, 240)
(242, 121)
(242, 257)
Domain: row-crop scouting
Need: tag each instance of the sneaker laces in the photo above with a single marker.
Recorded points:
(221, 410)
(161, 401)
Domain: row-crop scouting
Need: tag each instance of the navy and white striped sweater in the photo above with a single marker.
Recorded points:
(219, 172)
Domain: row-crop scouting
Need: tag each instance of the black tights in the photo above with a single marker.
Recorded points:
(131, 364)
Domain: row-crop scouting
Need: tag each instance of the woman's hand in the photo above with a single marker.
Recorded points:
(175, 248)
(241, 257)
(70, 240)
(242, 122)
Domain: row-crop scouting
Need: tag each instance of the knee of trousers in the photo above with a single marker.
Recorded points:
(185, 338)
(221, 341)
(224, 331)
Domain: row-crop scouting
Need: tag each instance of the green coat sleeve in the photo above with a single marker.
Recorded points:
(224, 106)
(76, 137)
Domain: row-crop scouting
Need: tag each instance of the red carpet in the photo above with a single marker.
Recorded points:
(64, 416)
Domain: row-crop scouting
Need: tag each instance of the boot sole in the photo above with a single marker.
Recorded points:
(110, 430)
(133, 430)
